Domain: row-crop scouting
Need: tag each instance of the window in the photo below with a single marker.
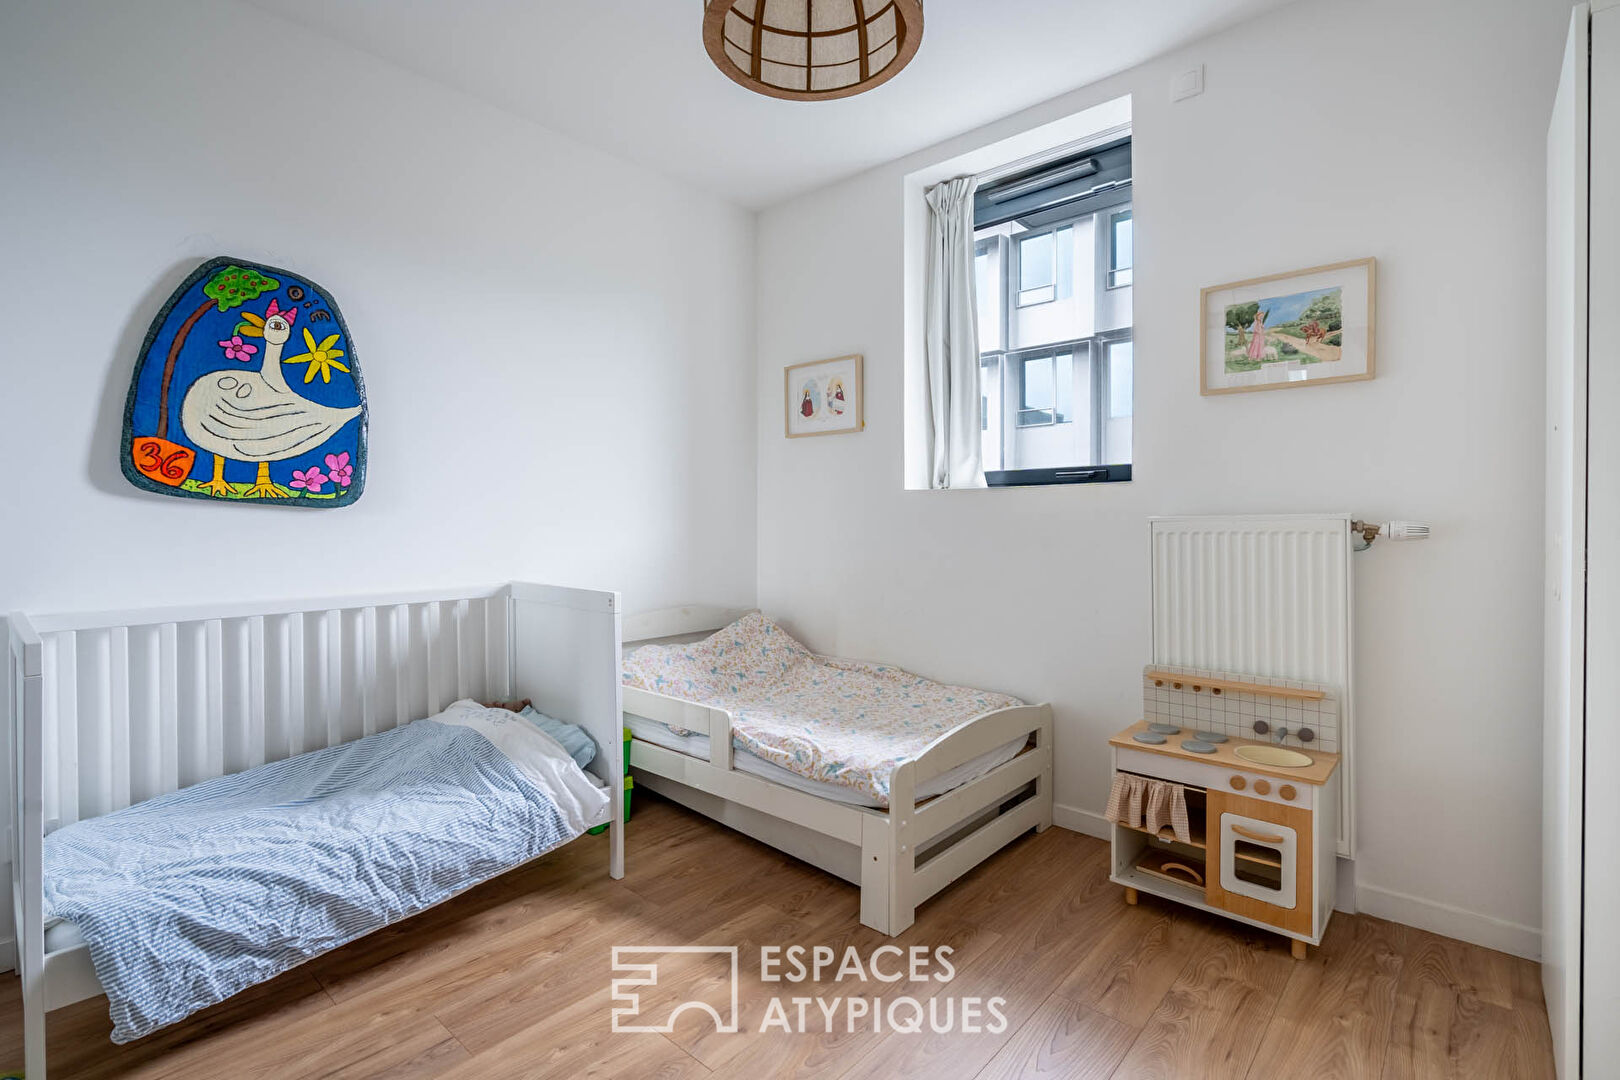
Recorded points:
(1053, 266)
(1046, 386)
(1119, 380)
(1119, 250)
(1121, 391)
(989, 294)
(1045, 266)
(1037, 269)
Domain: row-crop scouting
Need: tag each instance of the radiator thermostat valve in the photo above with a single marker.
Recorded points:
(1368, 531)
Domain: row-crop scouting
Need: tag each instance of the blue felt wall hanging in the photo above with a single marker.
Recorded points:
(247, 388)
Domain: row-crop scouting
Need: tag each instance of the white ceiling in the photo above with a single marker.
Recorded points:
(631, 76)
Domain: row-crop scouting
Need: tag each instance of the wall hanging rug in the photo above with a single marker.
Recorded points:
(247, 388)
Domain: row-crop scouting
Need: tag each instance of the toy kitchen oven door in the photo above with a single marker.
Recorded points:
(1256, 852)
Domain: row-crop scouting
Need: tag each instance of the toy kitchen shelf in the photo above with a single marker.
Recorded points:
(1261, 847)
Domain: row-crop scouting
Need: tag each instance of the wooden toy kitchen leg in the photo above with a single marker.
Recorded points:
(1130, 895)
(1298, 947)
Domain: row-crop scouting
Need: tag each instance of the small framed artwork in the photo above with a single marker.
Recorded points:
(1285, 330)
(824, 397)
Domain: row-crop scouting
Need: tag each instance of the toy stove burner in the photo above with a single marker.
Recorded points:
(1198, 746)
(1211, 737)
(1164, 729)
(1152, 738)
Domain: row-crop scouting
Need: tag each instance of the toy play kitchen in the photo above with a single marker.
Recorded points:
(1241, 826)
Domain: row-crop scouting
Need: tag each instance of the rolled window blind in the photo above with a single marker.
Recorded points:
(1090, 179)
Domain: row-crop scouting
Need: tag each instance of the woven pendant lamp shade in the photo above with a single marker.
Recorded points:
(806, 50)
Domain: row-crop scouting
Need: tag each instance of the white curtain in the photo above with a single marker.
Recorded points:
(952, 340)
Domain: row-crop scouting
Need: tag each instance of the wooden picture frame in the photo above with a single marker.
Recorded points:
(824, 397)
(1318, 328)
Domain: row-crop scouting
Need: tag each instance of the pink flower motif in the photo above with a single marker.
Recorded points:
(237, 349)
(310, 481)
(342, 471)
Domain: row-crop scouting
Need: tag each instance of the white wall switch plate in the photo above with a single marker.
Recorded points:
(1188, 84)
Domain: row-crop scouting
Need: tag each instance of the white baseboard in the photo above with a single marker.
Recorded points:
(1430, 915)
(1453, 922)
(1081, 821)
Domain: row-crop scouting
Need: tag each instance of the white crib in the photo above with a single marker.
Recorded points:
(113, 708)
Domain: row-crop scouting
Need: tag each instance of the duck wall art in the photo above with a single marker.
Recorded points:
(247, 388)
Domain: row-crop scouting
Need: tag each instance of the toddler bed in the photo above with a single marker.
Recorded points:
(230, 792)
(894, 782)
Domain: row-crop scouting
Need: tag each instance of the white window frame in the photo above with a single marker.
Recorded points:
(1111, 271)
(1015, 276)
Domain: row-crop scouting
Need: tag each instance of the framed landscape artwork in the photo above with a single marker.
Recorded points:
(824, 397)
(1286, 330)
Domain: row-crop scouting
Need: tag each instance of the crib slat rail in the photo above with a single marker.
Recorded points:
(145, 708)
(113, 708)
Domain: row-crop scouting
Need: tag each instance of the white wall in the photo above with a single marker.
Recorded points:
(1411, 132)
(551, 338)
(555, 343)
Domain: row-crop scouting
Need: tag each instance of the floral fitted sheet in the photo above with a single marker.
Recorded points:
(840, 721)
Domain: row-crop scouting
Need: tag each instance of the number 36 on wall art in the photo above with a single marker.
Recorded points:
(247, 389)
(824, 397)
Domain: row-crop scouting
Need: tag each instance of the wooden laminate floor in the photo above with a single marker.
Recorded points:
(511, 980)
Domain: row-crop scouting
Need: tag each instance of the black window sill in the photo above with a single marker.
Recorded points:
(1074, 474)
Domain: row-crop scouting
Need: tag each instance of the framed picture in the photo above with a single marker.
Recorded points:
(824, 397)
(1286, 330)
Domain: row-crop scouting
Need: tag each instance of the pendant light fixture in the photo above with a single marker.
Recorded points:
(807, 50)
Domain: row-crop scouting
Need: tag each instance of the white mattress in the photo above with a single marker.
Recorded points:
(62, 935)
(696, 745)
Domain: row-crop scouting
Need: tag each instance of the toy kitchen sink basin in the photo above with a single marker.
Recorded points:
(1278, 757)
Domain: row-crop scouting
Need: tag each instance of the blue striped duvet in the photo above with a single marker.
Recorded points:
(191, 897)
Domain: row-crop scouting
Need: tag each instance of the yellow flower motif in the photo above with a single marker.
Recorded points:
(321, 358)
(251, 325)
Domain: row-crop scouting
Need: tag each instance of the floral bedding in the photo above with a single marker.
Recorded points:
(841, 721)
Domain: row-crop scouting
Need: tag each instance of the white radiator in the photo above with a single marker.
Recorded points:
(1261, 596)
(134, 710)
